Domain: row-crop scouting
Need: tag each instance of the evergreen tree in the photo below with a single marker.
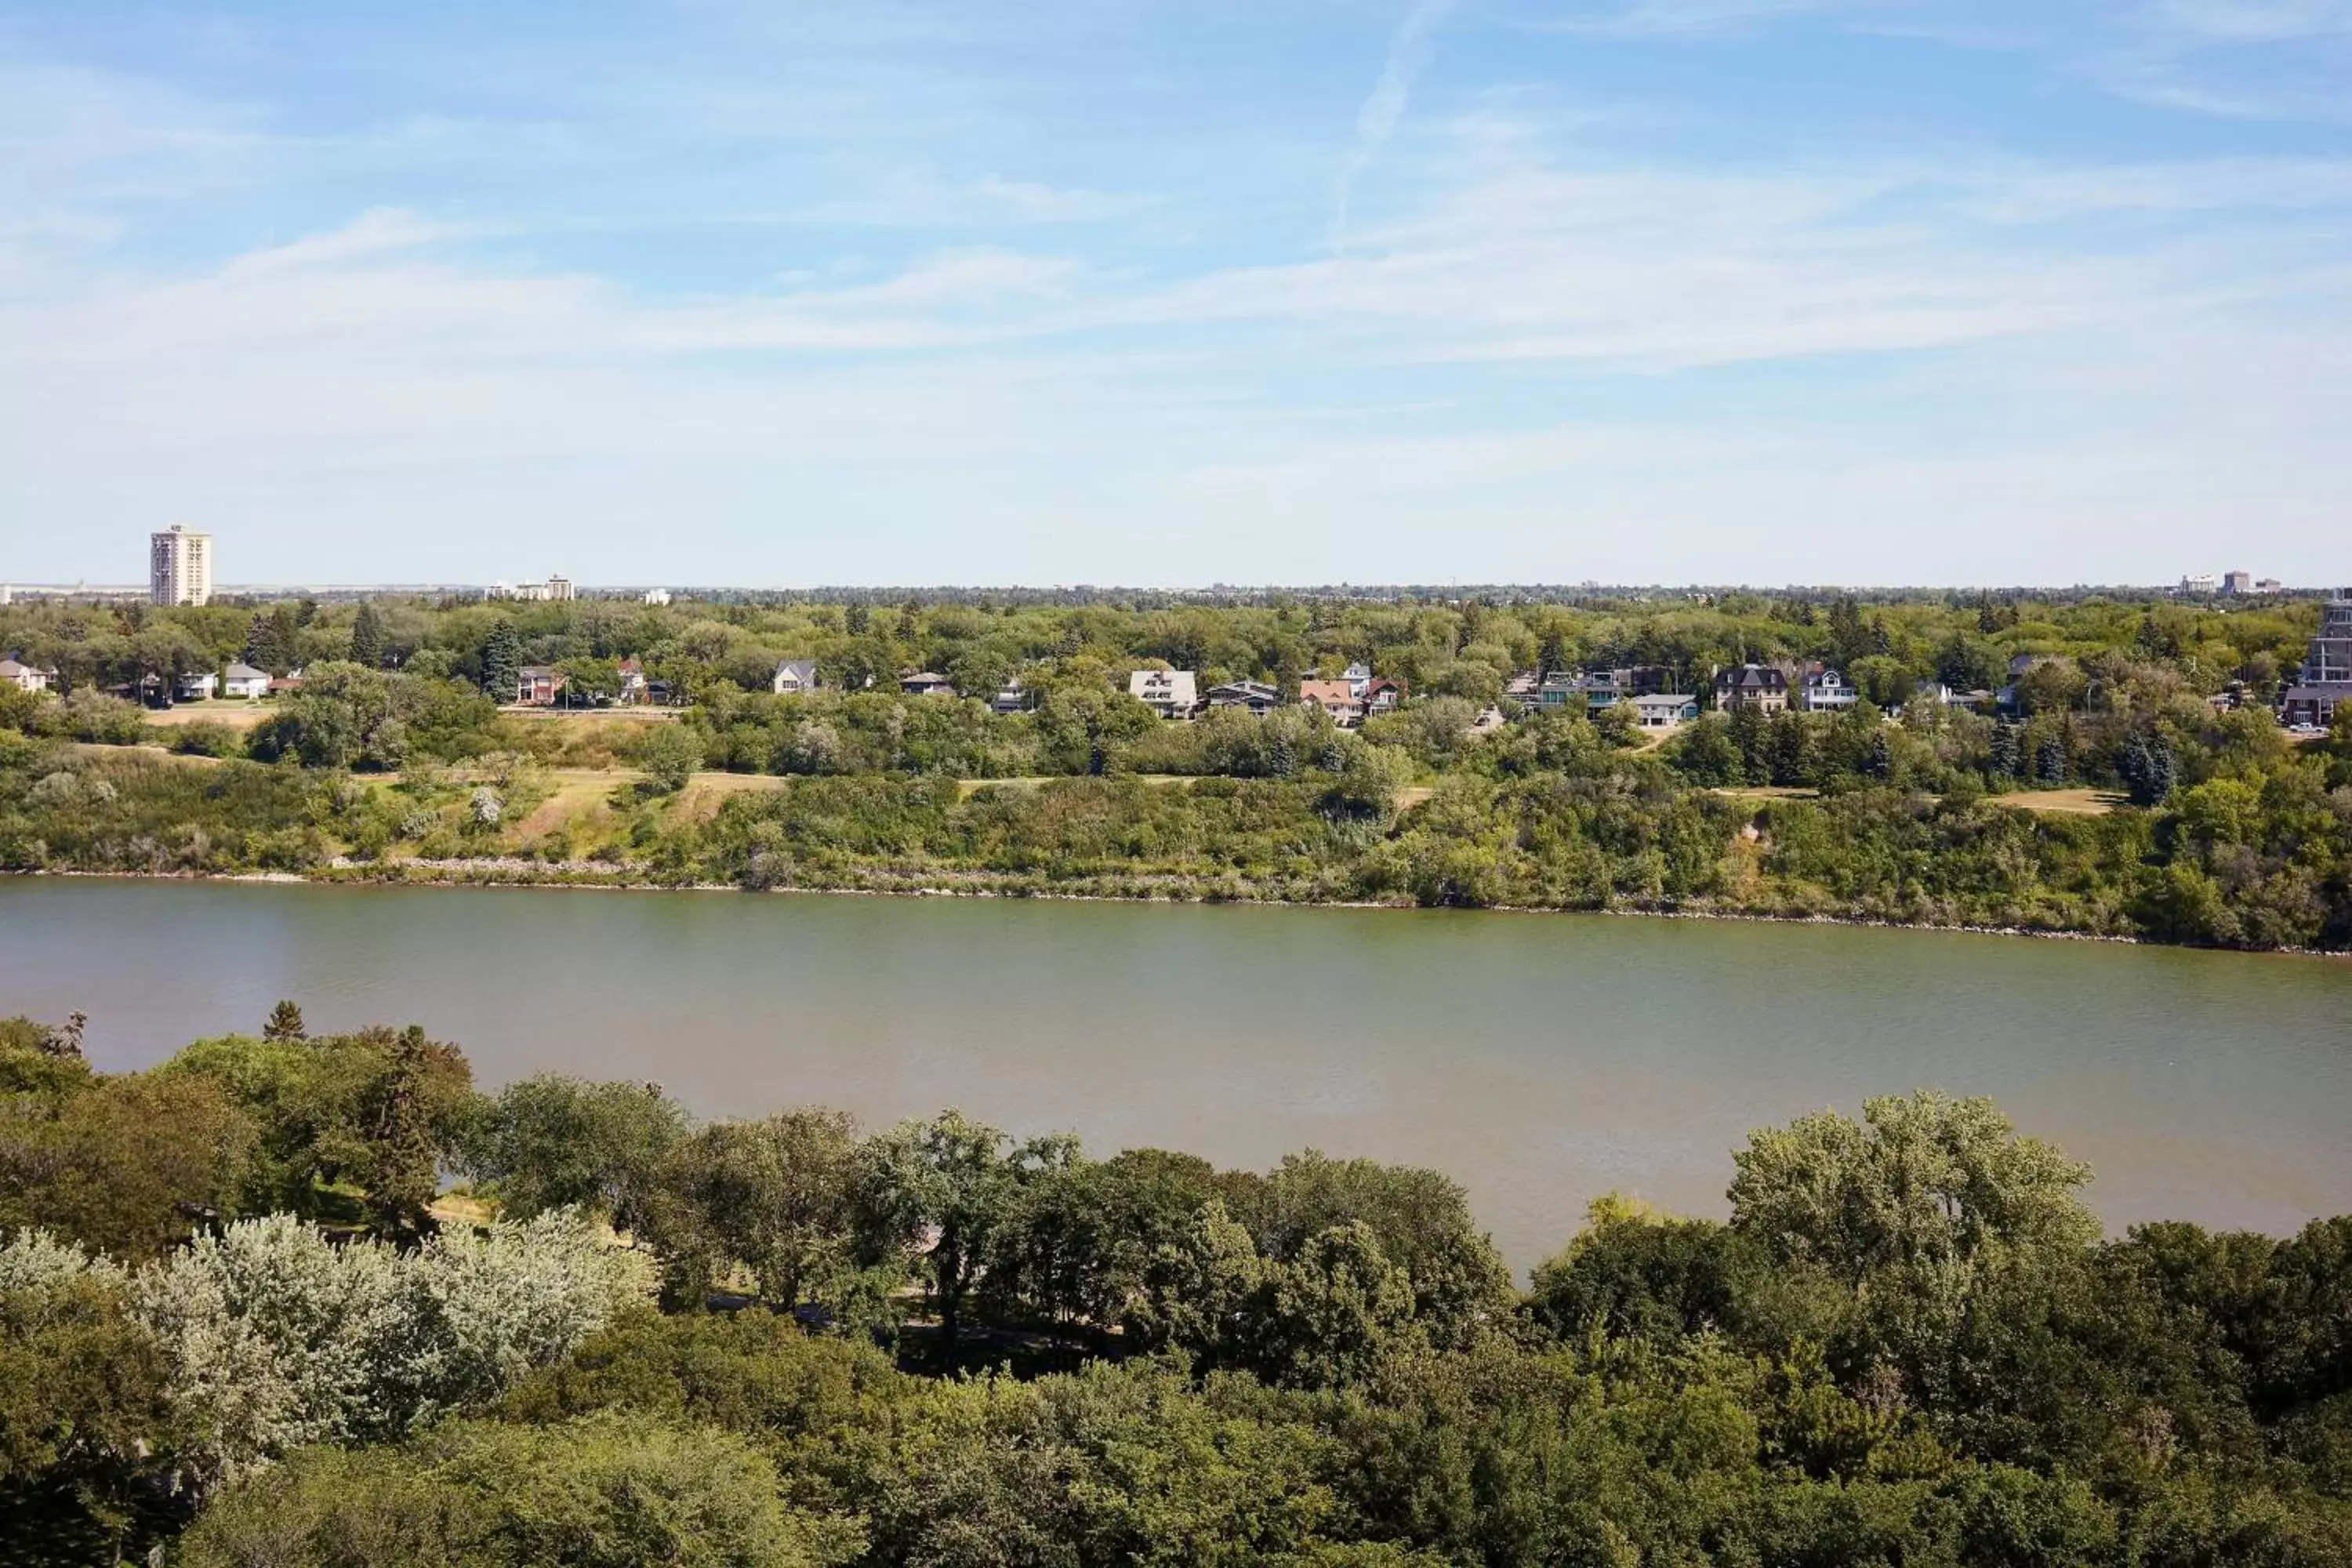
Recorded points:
(270, 640)
(2162, 770)
(2147, 768)
(1749, 734)
(1846, 634)
(257, 637)
(1553, 655)
(2049, 759)
(2132, 766)
(1792, 750)
(1281, 761)
(1878, 762)
(855, 619)
(367, 636)
(501, 661)
(2008, 752)
(285, 1023)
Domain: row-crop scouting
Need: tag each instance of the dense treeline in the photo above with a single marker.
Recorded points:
(1464, 647)
(235, 1324)
(398, 765)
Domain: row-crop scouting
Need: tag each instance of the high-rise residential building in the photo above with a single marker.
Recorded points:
(556, 588)
(179, 567)
(2326, 682)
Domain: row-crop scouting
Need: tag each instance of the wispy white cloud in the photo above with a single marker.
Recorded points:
(1376, 119)
(2255, 21)
(1694, 17)
(376, 232)
(918, 199)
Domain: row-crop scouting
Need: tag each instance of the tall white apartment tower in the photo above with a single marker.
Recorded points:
(179, 567)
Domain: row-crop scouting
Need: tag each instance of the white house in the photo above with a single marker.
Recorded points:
(1665, 709)
(1170, 693)
(795, 677)
(196, 686)
(657, 597)
(1358, 677)
(24, 677)
(1827, 691)
(245, 682)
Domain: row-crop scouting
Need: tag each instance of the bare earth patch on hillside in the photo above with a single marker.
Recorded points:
(236, 715)
(577, 791)
(1038, 781)
(2065, 802)
(706, 793)
(141, 754)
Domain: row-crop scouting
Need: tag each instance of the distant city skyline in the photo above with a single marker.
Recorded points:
(179, 556)
(1866, 291)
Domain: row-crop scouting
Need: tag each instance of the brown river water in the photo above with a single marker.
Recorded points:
(1539, 1059)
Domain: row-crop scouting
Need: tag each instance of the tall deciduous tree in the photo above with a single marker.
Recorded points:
(552, 1141)
(954, 1179)
(1922, 1181)
(787, 1198)
(128, 1162)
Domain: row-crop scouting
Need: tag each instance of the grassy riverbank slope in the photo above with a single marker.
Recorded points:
(1547, 815)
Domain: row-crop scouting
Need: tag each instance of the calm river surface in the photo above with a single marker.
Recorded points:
(1539, 1059)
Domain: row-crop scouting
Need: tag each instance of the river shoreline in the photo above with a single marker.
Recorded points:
(527, 875)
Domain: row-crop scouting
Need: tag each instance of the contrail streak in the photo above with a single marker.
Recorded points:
(1376, 120)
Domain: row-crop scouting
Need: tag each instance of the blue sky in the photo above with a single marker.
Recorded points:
(1856, 292)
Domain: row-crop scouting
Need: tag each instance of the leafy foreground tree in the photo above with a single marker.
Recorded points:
(125, 1163)
(1907, 1344)
(273, 1338)
(607, 1491)
(348, 1127)
(954, 1178)
(82, 1397)
(790, 1201)
(552, 1141)
(130, 1394)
